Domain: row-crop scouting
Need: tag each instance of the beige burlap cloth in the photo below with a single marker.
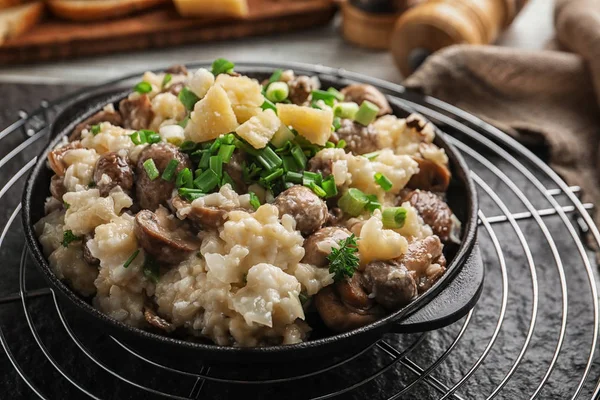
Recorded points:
(548, 97)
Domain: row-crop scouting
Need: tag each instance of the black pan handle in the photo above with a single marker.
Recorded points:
(452, 303)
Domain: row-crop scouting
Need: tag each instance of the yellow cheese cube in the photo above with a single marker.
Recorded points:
(312, 123)
(212, 117)
(259, 129)
(244, 93)
(203, 8)
(244, 113)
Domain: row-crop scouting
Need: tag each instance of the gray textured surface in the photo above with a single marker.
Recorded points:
(561, 385)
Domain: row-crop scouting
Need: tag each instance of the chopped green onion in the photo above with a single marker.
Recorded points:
(277, 91)
(187, 146)
(345, 110)
(393, 217)
(276, 76)
(188, 98)
(316, 105)
(299, 156)
(216, 165)
(293, 177)
(353, 202)
(69, 237)
(366, 113)
(131, 258)
(67, 205)
(337, 123)
(225, 152)
(183, 123)
(245, 147)
(372, 156)
(269, 159)
(250, 173)
(317, 189)
(254, 200)
(95, 129)
(152, 137)
(138, 138)
(341, 144)
(373, 204)
(169, 171)
(228, 139)
(339, 96)
(283, 136)
(273, 175)
(185, 179)
(151, 268)
(312, 177)
(383, 181)
(191, 194)
(328, 98)
(143, 87)
(289, 164)
(227, 179)
(268, 105)
(204, 161)
(222, 66)
(285, 149)
(207, 181)
(168, 77)
(329, 145)
(288, 185)
(151, 169)
(329, 187)
(214, 146)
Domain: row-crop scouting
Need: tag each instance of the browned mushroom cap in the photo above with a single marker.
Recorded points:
(118, 171)
(166, 245)
(177, 69)
(313, 252)
(359, 139)
(360, 92)
(201, 216)
(431, 176)
(137, 113)
(352, 292)
(434, 211)
(153, 319)
(102, 116)
(309, 211)
(87, 254)
(55, 157)
(338, 316)
(301, 88)
(57, 187)
(391, 283)
(152, 193)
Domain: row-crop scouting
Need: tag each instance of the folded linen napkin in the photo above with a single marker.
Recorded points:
(548, 97)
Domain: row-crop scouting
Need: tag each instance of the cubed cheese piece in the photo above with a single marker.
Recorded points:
(312, 123)
(212, 117)
(259, 130)
(204, 8)
(244, 93)
(200, 82)
(244, 113)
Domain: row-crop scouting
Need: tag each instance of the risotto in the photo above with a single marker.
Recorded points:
(208, 204)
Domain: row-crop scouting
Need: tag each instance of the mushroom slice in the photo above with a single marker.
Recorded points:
(137, 113)
(338, 316)
(431, 176)
(153, 319)
(202, 216)
(360, 92)
(318, 245)
(392, 285)
(55, 157)
(156, 237)
(309, 211)
(435, 213)
(177, 69)
(301, 88)
(57, 187)
(117, 170)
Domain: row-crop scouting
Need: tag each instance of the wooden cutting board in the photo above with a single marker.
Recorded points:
(56, 39)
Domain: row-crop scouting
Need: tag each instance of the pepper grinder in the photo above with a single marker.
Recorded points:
(370, 23)
(435, 24)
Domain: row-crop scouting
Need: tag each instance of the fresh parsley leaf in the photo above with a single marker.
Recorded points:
(69, 237)
(343, 262)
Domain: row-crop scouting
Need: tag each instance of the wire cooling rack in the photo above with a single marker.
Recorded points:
(533, 334)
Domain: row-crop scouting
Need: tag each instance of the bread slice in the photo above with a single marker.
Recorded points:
(91, 10)
(17, 20)
(10, 3)
(209, 8)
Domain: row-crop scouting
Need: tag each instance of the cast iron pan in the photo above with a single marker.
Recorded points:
(447, 301)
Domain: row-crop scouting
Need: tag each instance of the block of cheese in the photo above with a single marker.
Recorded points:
(202, 8)
(17, 20)
(212, 117)
(92, 10)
